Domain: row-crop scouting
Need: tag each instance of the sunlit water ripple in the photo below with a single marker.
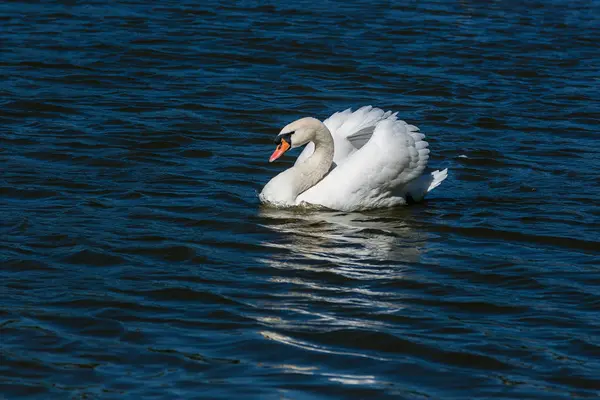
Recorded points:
(138, 263)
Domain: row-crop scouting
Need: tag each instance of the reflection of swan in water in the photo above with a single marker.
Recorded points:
(357, 241)
(336, 271)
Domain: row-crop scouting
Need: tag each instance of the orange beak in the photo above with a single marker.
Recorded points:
(281, 148)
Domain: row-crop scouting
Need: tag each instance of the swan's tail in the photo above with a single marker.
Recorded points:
(438, 177)
(424, 184)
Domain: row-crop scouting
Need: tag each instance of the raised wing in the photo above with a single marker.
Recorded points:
(350, 131)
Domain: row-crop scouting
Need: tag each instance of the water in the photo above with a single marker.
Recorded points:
(138, 263)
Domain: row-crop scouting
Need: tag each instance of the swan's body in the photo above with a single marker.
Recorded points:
(353, 161)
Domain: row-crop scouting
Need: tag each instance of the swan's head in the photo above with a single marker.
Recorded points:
(296, 134)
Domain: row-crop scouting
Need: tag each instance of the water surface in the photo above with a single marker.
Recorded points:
(138, 263)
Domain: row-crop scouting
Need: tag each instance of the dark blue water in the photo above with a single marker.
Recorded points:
(136, 260)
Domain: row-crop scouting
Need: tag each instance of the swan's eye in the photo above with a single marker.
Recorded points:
(287, 137)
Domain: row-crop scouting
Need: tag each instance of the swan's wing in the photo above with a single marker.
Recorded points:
(350, 131)
(374, 175)
(360, 138)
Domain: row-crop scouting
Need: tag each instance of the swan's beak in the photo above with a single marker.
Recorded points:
(281, 148)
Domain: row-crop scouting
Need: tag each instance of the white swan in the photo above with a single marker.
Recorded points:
(353, 161)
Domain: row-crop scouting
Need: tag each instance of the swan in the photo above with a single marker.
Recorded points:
(352, 161)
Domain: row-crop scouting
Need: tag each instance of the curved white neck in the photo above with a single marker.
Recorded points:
(314, 168)
(288, 185)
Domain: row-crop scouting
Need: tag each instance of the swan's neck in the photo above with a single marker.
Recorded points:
(314, 168)
(288, 185)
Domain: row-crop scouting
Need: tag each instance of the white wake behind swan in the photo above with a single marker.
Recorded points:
(353, 161)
